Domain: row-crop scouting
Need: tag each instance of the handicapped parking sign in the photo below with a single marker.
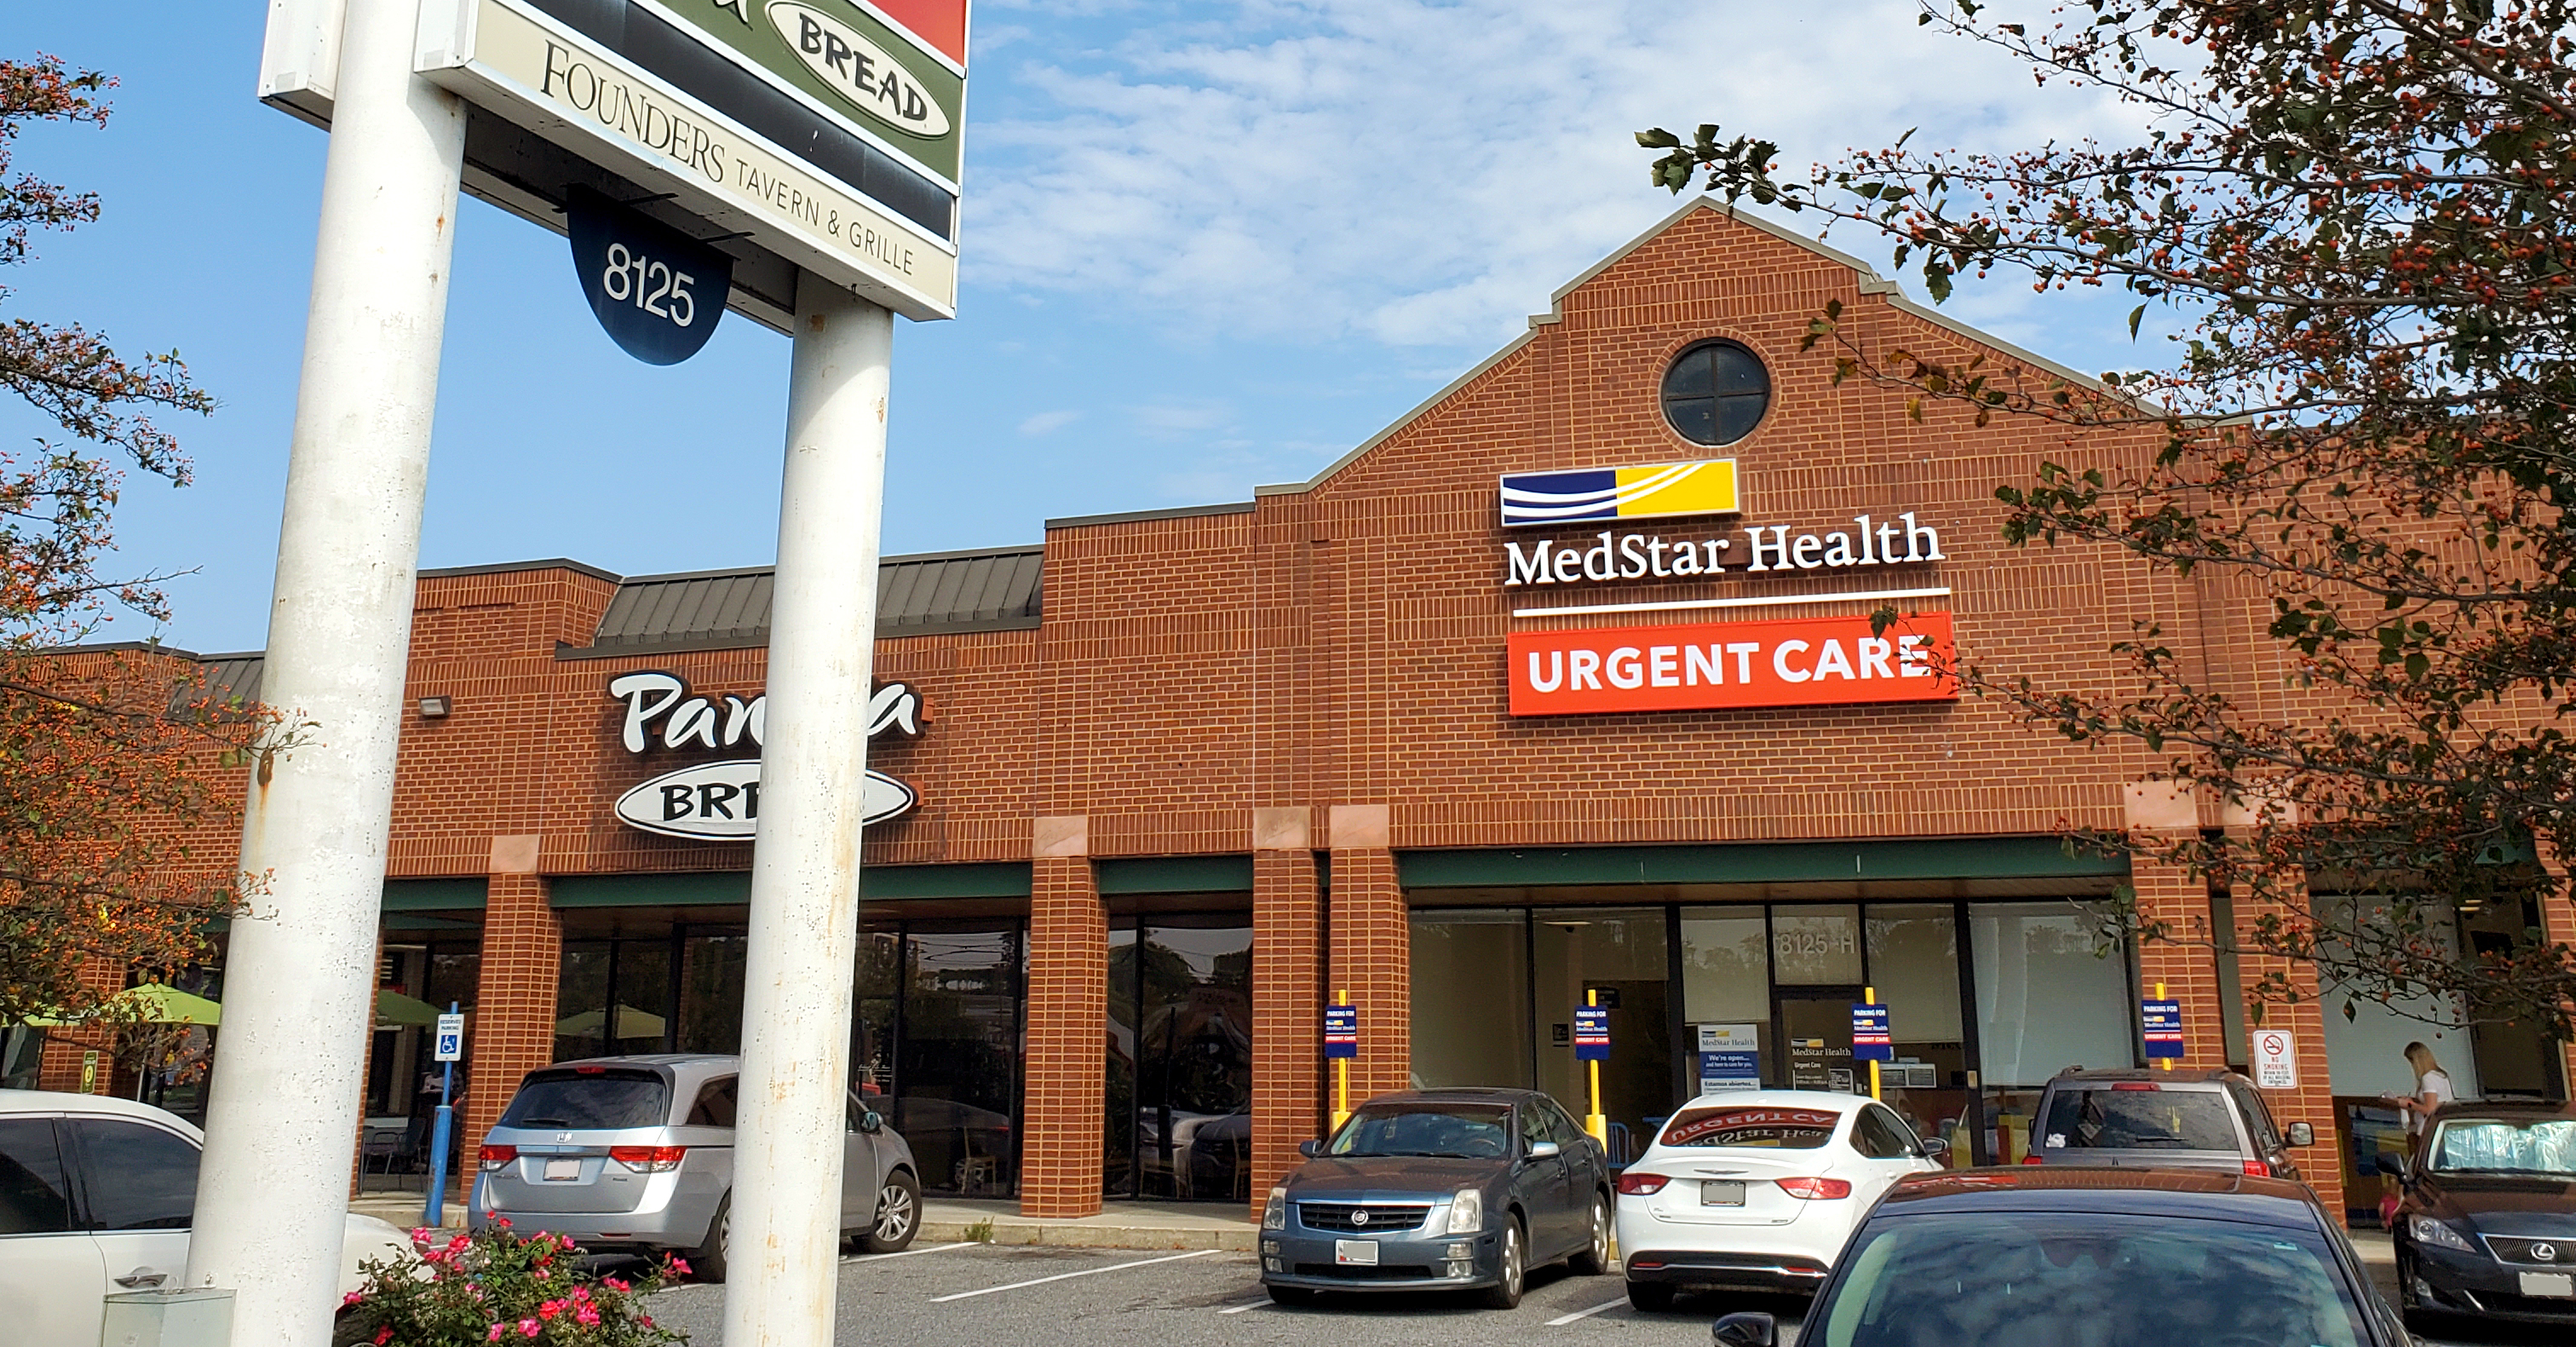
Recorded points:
(450, 1038)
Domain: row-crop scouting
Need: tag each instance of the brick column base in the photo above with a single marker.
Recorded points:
(1068, 1032)
(2313, 1102)
(512, 1029)
(1371, 950)
(1287, 1012)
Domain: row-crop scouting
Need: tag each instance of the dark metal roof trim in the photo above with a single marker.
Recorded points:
(505, 567)
(1084, 521)
(983, 589)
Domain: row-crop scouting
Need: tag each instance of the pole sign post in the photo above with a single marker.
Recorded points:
(1592, 1033)
(448, 1044)
(1341, 1031)
(2161, 1025)
(1871, 1041)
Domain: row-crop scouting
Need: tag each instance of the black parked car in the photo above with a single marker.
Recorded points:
(2094, 1258)
(2486, 1220)
(1440, 1190)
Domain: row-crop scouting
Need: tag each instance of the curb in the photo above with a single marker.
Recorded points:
(1074, 1236)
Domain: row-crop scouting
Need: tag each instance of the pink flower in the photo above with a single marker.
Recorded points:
(352, 1298)
(529, 1328)
(680, 1265)
(614, 1283)
(550, 1309)
(384, 1335)
(458, 1243)
(501, 1221)
(494, 1335)
(587, 1315)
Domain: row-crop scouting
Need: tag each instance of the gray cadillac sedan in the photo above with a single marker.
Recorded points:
(1440, 1190)
(636, 1153)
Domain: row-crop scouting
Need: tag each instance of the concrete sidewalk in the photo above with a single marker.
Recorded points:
(1120, 1225)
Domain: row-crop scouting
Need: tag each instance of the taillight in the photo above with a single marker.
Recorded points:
(648, 1159)
(2261, 1169)
(498, 1157)
(1641, 1185)
(1811, 1189)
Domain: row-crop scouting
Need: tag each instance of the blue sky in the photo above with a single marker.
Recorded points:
(1206, 246)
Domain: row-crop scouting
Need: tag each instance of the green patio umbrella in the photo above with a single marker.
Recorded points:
(396, 1008)
(631, 1023)
(161, 1005)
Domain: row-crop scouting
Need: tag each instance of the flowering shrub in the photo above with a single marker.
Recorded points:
(495, 1285)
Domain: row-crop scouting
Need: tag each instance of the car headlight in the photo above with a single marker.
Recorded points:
(2437, 1233)
(1274, 1213)
(1467, 1212)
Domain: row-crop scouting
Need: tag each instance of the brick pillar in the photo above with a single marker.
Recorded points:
(1068, 1025)
(512, 1030)
(2313, 1101)
(1287, 994)
(2185, 965)
(1371, 949)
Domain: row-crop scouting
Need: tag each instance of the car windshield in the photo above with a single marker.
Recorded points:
(1796, 1129)
(2138, 1116)
(1458, 1131)
(2086, 1280)
(594, 1100)
(2542, 1147)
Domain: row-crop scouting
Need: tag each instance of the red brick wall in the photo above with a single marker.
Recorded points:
(1068, 1032)
(1287, 1010)
(1371, 962)
(512, 1030)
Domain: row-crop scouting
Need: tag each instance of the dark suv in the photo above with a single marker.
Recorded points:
(2163, 1119)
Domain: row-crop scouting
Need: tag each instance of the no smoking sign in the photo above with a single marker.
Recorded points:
(2276, 1059)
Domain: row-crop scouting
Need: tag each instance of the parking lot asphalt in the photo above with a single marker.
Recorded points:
(1122, 1298)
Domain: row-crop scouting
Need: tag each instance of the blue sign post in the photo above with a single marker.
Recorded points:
(2161, 1024)
(448, 1042)
(1591, 1033)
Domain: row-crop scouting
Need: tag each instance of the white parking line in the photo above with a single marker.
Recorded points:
(907, 1253)
(1262, 1304)
(1064, 1276)
(1564, 1319)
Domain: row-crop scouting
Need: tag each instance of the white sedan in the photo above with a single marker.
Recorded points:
(1756, 1190)
(96, 1198)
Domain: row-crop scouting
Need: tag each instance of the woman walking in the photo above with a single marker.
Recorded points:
(2432, 1089)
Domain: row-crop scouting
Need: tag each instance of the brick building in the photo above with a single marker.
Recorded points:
(1466, 755)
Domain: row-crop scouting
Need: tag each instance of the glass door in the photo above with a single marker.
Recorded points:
(1814, 1030)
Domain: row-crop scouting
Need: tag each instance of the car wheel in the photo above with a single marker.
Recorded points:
(707, 1261)
(1651, 1297)
(1593, 1258)
(898, 1215)
(1290, 1295)
(1505, 1293)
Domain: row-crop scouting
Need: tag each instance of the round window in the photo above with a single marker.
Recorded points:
(1715, 393)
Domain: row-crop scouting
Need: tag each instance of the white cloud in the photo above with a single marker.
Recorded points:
(1407, 173)
(1047, 423)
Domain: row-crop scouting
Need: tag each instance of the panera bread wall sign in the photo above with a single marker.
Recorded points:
(721, 799)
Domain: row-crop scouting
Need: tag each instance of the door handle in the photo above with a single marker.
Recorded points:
(143, 1276)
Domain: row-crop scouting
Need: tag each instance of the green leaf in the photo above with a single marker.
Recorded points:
(1659, 139)
(2135, 316)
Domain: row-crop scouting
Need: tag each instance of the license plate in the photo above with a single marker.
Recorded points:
(1356, 1252)
(562, 1171)
(2549, 1284)
(1721, 1192)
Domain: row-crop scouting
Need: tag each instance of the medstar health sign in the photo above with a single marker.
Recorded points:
(826, 132)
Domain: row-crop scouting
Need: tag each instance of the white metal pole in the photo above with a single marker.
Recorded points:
(781, 1283)
(283, 1116)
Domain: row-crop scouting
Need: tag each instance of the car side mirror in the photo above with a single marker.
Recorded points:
(871, 1122)
(1935, 1148)
(1310, 1149)
(1745, 1330)
(2389, 1165)
(2300, 1134)
(1540, 1150)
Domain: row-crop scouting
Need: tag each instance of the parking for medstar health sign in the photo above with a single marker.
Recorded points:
(1806, 661)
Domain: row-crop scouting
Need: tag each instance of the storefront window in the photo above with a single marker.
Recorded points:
(1181, 1018)
(1816, 946)
(1620, 956)
(581, 999)
(711, 963)
(1726, 996)
(957, 1085)
(643, 999)
(1914, 967)
(2051, 996)
(1471, 1010)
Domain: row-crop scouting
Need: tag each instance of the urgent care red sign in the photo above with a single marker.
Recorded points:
(1806, 661)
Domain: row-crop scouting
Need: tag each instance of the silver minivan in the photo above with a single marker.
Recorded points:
(636, 1153)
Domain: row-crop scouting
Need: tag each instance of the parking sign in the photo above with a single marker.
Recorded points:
(451, 1038)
